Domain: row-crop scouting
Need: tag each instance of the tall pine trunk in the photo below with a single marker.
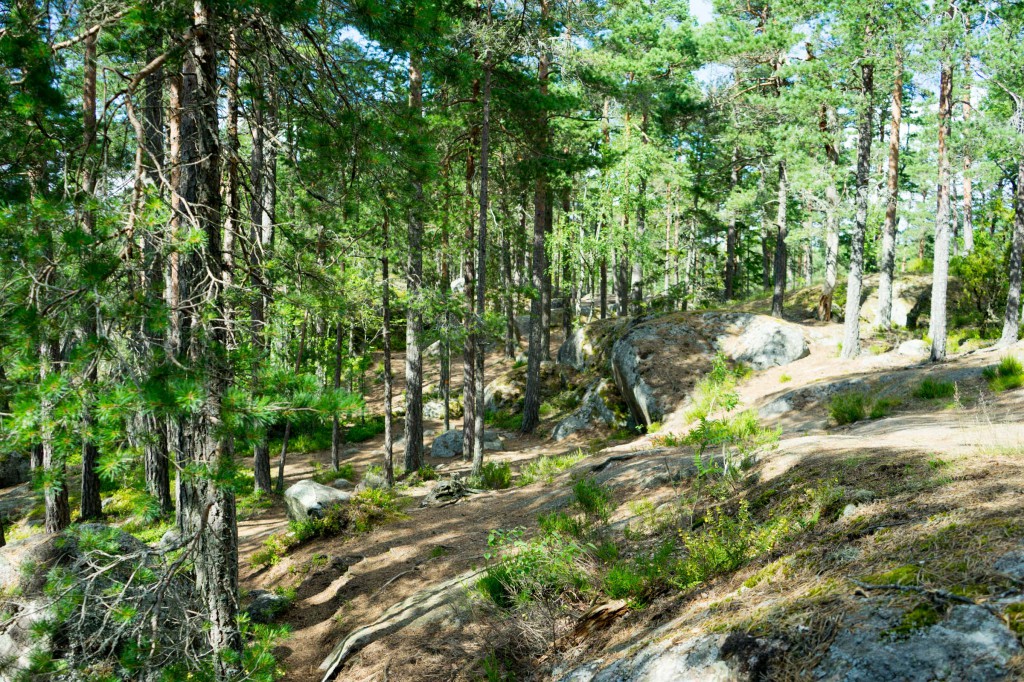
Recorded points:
(828, 125)
(336, 384)
(209, 507)
(855, 282)
(385, 296)
(732, 234)
(414, 282)
(91, 507)
(887, 262)
(940, 270)
(1011, 319)
(781, 252)
(481, 274)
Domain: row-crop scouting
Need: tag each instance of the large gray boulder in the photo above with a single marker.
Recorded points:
(14, 469)
(449, 443)
(657, 362)
(593, 411)
(308, 499)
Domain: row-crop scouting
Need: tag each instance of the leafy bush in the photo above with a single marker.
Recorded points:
(523, 571)
(327, 476)
(365, 430)
(1008, 374)
(547, 468)
(593, 499)
(372, 506)
(847, 408)
(507, 419)
(882, 407)
(929, 389)
(560, 522)
(493, 476)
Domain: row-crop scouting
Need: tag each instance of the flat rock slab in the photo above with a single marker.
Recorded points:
(968, 645)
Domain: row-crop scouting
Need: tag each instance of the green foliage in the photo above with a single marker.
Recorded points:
(1007, 375)
(506, 420)
(882, 407)
(521, 571)
(560, 522)
(493, 476)
(545, 469)
(364, 430)
(326, 475)
(930, 389)
(847, 408)
(593, 499)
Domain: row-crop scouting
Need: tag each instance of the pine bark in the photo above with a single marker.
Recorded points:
(829, 127)
(209, 508)
(414, 282)
(1011, 319)
(887, 261)
(855, 282)
(481, 273)
(389, 455)
(336, 383)
(781, 252)
(940, 271)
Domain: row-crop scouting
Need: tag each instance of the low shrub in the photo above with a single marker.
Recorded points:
(326, 475)
(1007, 375)
(593, 499)
(365, 430)
(493, 476)
(545, 469)
(847, 408)
(930, 389)
(882, 407)
(521, 571)
(507, 419)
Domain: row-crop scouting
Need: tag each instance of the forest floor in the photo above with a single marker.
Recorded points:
(347, 582)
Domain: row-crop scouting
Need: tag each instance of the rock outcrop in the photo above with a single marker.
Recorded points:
(657, 362)
(506, 391)
(593, 411)
(308, 499)
(449, 443)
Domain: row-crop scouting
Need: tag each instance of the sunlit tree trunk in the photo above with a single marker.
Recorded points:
(829, 128)
(940, 271)
(887, 262)
(1011, 319)
(413, 283)
(855, 282)
(781, 251)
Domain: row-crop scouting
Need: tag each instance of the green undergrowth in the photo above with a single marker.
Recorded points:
(493, 476)
(546, 469)
(855, 406)
(1007, 375)
(365, 510)
(930, 389)
(505, 419)
(327, 475)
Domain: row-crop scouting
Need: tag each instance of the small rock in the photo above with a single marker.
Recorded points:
(1011, 564)
(914, 348)
(445, 492)
(852, 510)
(265, 606)
(449, 444)
(372, 481)
(170, 539)
(342, 484)
(308, 499)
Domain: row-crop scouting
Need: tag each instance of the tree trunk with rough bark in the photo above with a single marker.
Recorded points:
(1011, 319)
(887, 260)
(940, 270)
(385, 296)
(336, 383)
(413, 283)
(855, 282)
(781, 251)
(828, 125)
